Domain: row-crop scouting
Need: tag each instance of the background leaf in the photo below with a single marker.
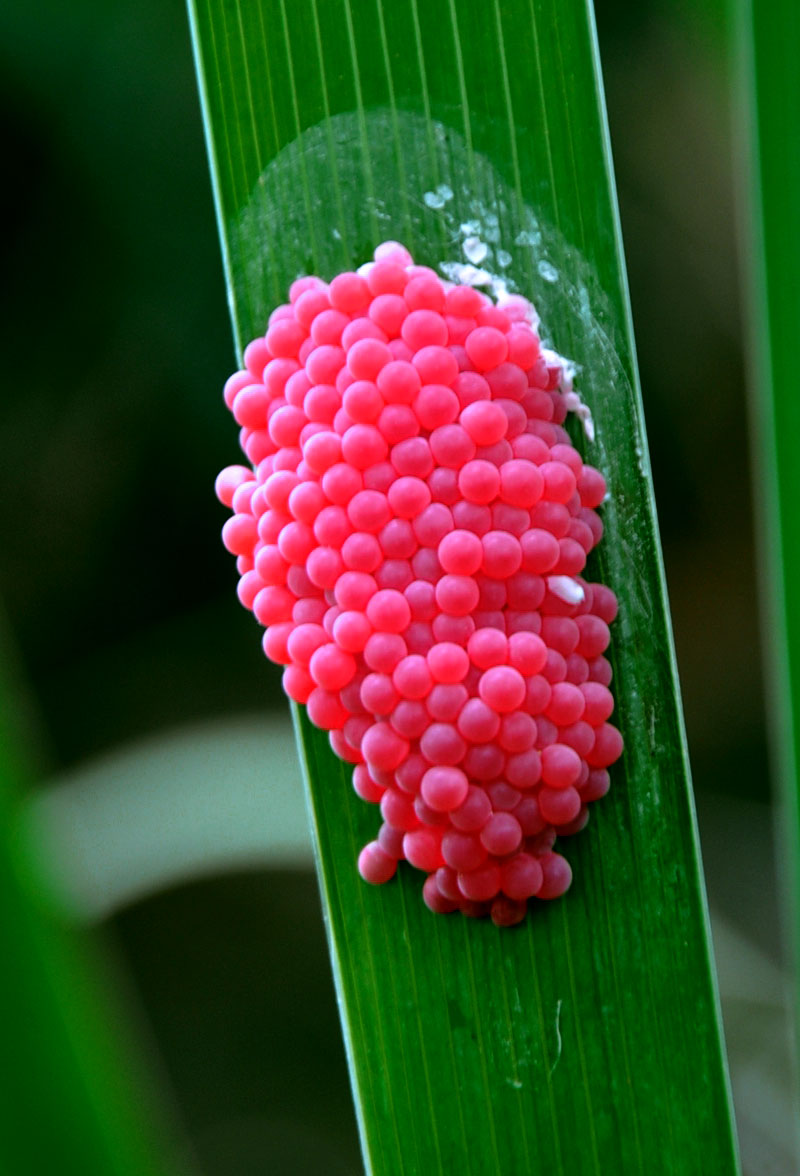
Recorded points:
(184, 804)
(332, 126)
(768, 44)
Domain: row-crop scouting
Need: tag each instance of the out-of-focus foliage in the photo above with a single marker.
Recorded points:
(768, 54)
(115, 347)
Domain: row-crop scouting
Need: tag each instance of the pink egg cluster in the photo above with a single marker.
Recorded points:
(411, 530)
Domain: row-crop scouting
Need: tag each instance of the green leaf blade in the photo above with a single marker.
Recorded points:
(587, 1040)
(79, 1093)
(768, 43)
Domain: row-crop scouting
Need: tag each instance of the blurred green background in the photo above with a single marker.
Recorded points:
(120, 597)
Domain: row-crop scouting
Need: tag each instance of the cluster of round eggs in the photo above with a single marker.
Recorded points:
(411, 531)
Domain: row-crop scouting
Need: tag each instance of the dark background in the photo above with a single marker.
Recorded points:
(120, 599)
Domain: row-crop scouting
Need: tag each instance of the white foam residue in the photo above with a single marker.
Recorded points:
(582, 412)
(465, 275)
(572, 399)
(439, 198)
(584, 304)
(491, 227)
(547, 271)
(434, 200)
(569, 369)
(566, 588)
(515, 302)
(472, 275)
(528, 237)
(475, 250)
